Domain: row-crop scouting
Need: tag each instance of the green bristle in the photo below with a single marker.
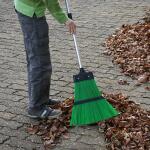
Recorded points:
(90, 112)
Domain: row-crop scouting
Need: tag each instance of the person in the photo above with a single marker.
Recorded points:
(31, 15)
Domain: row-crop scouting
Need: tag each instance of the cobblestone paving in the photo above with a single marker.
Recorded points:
(96, 20)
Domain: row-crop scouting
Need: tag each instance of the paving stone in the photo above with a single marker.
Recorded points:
(7, 147)
(34, 139)
(145, 106)
(21, 93)
(85, 131)
(21, 119)
(91, 34)
(4, 85)
(6, 115)
(2, 107)
(20, 133)
(19, 148)
(21, 104)
(141, 100)
(18, 143)
(72, 137)
(61, 148)
(11, 97)
(92, 141)
(10, 124)
(54, 92)
(76, 146)
(67, 90)
(17, 81)
(17, 87)
(7, 90)
(3, 138)
(17, 110)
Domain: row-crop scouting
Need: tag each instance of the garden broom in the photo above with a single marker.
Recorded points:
(89, 105)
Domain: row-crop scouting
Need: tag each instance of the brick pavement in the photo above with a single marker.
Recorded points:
(95, 21)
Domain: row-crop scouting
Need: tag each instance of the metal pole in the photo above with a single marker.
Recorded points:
(74, 36)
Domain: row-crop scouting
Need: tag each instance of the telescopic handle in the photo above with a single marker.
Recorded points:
(74, 36)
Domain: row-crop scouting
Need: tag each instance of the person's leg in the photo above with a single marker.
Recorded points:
(38, 59)
(39, 68)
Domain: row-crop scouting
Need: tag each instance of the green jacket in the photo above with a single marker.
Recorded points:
(29, 7)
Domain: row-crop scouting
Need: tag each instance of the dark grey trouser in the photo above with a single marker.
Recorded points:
(36, 40)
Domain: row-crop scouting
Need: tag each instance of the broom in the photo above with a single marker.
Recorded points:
(89, 105)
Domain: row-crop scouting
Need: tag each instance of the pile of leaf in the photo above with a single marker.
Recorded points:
(51, 130)
(131, 129)
(130, 48)
(128, 131)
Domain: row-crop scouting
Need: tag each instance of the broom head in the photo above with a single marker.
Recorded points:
(89, 105)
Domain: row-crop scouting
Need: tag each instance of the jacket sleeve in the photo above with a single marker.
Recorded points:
(54, 8)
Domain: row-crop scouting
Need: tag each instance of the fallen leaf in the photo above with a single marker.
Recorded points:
(143, 78)
(129, 47)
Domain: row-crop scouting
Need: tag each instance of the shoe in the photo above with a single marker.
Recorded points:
(44, 113)
(52, 102)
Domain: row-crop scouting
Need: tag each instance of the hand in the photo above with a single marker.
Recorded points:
(70, 24)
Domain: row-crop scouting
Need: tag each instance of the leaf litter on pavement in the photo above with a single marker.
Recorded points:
(130, 48)
(51, 130)
(131, 129)
(128, 131)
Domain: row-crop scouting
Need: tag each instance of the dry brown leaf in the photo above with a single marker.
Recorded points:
(33, 129)
(131, 129)
(123, 82)
(130, 48)
(143, 78)
(128, 131)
